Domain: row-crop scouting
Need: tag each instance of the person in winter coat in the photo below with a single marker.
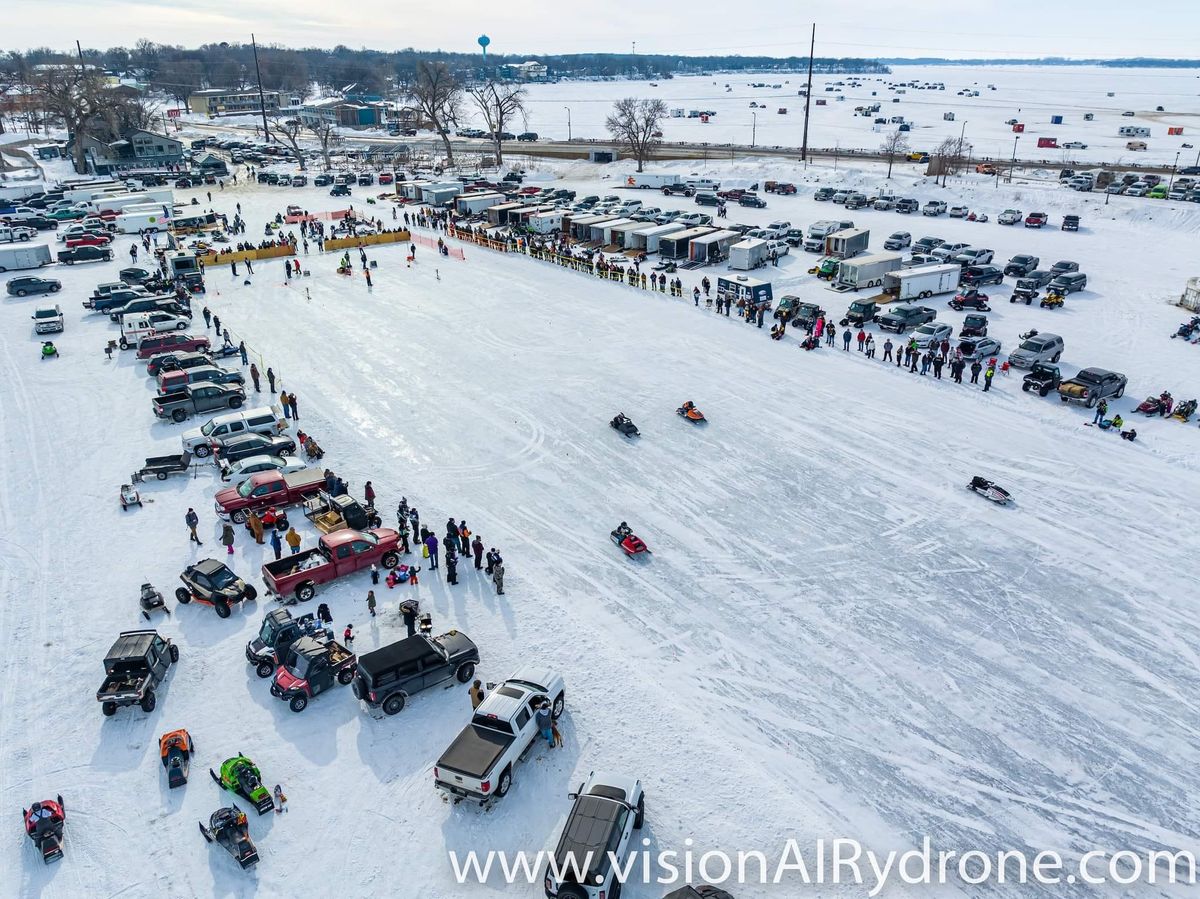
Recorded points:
(956, 370)
(348, 634)
(830, 335)
(987, 378)
(254, 523)
(207, 318)
(887, 350)
(543, 720)
(227, 538)
(242, 351)
(283, 401)
(491, 561)
(254, 378)
(938, 362)
(431, 544)
(862, 338)
(452, 531)
(926, 362)
(477, 694)
(1101, 411)
(870, 350)
(292, 403)
(330, 482)
(696, 297)
(498, 576)
(192, 520)
(369, 493)
(408, 611)
(415, 517)
(271, 379)
(451, 566)
(293, 540)
(976, 368)
(323, 614)
(477, 548)
(276, 544)
(945, 347)
(371, 602)
(464, 538)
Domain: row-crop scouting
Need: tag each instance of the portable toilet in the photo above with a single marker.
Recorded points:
(1018, 128)
(948, 116)
(1056, 120)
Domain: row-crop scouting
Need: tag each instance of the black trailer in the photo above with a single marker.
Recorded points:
(162, 467)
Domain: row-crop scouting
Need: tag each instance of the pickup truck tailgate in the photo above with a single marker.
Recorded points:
(470, 758)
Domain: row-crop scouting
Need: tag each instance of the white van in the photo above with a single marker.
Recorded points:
(702, 184)
(138, 325)
(260, 420)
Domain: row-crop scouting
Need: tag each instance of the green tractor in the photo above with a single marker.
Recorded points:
(241, 776)
(826, 268)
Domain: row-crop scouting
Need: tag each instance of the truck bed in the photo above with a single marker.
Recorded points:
(119, 684)
(290, 565)
(475, 751)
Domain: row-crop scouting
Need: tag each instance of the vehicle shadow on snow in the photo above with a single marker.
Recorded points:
(314, 731)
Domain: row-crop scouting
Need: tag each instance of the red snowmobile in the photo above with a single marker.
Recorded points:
(44, 822)
(1157, 405)
(631, 544)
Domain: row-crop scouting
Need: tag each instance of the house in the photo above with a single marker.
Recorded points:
(219, 101)
(136, 150)
(526, 71)
(343, 112)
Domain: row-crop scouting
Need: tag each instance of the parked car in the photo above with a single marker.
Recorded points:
(322, 180)
(934, 208)
(1137, 189)
(958, 212)
(236, 447)
(948, 251)
(174, 341)
(824, 193)
(1063, 266)
(1036, 219)
(856, 201)
(1074, 145)
(527, 136)
(134, 667)
(241, 470)
(1021, 265)
(170, 381)
(16, 233)
(907, 205)
(341, 190)
(598, 835)
(85, 254)
(23, 287)
(980, 348)
(932, 334)
(927, 244)
(1009, 217)
(752, 200)
(1042, 378)
(1068, 282)
(1035, 349)
(387, 677)
(1040, 277)
(898, 240)
(903, 318)
(974, 256)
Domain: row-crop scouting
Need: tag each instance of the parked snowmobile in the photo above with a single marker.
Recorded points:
(1157, 405)
(240, 775)
(989, 489)
(689, 411)
(44, 822)
(176, 750)
(630, 543)
(49, 350)
(1188, 329)
(229, 828)
(151, 600)
(622, 423)
(1185, 410)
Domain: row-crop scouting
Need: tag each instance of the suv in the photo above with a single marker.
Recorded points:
(1037, 348)
(898, 240)
(598, 835)
(707, 198)
(979, 275)
(824, 193)
(388, 676)
(136, 664)
(1068, 282)
(21, 287)
(174, 341)
(527, 136)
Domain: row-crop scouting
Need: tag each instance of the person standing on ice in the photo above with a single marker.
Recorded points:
(227, 538)
(1101, 411)
(887, 350)
(207, 313)
(242, 352)
(431, 544)
(976, 368)
(276, 544)
(846, 340)
(477, 549)
(696, 297)
(862, 339)
(133, 252)
(498, 576)
(192, 520)
(451, 566)
(271, 379)
(543, 720)
(414, 518)
(464, 538)
(254, 378)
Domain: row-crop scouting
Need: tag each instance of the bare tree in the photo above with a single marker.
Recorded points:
(895, 144)
(635, 123)
(287, 129)
(77, 97)
(327, 136)
(951, 154)
(499, 104)
(438, 96)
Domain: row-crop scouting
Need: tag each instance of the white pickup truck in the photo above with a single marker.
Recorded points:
(479, 763)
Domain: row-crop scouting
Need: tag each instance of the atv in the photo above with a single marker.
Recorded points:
(689, 411)
(1052, 301)
(176, 750)
(974, 325)
(241, 776)
(44, 822)
(211, 583)
(622, 423)
(1043, 377)
(1025, 292)
(228, 827)
(1157, 405)
(990, 490)
(826, 268)
(630, 543)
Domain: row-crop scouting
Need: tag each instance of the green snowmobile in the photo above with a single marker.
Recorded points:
(240, 775)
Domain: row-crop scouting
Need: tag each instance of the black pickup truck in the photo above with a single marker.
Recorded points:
(136, 664)
(391, 674)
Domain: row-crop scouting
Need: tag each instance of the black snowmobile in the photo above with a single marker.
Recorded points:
(990, 489)
(229, 828)
(622, 423)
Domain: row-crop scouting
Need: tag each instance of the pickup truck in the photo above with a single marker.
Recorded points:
(135, 665)
(479, 763)
(1092, 385)
(388, 676)
(335, 555)
(902, 318)
(312, 667)
(197, 398)
(266, 489)
(278, 632)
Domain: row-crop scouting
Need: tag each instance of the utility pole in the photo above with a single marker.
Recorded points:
(1012, 165)
(808, 94)
(1175, 166)
(262, 101)
(79, 50)
(568, 109)
(753, 128)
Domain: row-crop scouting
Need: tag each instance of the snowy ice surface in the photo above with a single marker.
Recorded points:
(831, 638)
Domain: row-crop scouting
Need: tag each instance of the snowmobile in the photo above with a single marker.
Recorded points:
(129, 497)
(151, 600)
(1188, 329)
(630, 543)
(622, 423)
(989, 489)
(49, 350)
(240, 775)
(176, 750)
(1157, 405)
(1185, 410)
(44, 822)
(229, 828)
(1032, 332)
(689, 411)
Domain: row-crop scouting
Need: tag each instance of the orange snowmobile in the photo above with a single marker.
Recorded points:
(689, 411)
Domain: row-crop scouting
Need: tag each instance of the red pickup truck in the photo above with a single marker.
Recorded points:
(335, 555)
(266, 489)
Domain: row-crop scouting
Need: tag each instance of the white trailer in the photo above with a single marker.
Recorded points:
(675, 246)
(86, 190)
(712, 247)
(648, 237)
(651, 180)
(604, 231)
(117, 202)
(620, 234)
(847, 243)
(922, 282)
(865, 271)
(477, 202)
(15, 258)
(149, 218)
(748, 254)
(545, 222)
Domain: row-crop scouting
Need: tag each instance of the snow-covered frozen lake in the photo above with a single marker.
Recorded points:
(832, 637)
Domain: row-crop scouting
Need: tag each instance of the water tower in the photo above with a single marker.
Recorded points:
(484, 40)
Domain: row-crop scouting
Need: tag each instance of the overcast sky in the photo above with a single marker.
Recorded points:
(984, 28)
